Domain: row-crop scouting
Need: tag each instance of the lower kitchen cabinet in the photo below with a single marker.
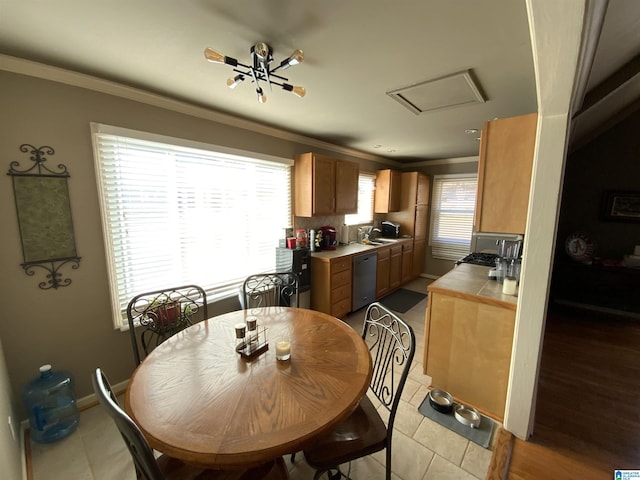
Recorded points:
(395, 267)
(407, 262)
(468, 350)
(382, 271)
(331, 281)
(419, 250)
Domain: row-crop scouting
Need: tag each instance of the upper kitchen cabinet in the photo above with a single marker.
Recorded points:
(388, 189)
(324, 185)
(504, 174)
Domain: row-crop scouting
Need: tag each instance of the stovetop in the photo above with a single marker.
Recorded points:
(478, 258)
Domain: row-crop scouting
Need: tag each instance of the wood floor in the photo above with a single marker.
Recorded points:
(588, 407)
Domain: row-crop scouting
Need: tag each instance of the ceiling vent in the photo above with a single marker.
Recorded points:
(449, 91)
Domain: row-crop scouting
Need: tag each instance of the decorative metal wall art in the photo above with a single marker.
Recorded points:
(44, 216)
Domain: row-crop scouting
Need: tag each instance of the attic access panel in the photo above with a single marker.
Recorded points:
(449, 91)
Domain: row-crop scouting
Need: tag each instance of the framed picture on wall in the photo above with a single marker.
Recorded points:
(621, 206)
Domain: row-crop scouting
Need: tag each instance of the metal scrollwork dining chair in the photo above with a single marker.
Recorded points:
(270, 290)
(392, 346)
(155, 316)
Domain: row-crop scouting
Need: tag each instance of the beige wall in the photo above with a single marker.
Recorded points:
(71, 327)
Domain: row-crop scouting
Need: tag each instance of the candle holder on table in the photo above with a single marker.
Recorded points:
(251, 339)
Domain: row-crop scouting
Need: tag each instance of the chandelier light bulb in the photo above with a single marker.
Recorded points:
(296, 57)
(299, 91)
(235, 81)
(213, 55)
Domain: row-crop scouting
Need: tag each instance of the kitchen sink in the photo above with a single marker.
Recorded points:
(379, 241)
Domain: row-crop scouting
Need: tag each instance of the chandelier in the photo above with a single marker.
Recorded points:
(262, 55)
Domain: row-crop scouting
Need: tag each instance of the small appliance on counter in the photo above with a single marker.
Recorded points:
(297, 261)
(390, 229)
(329, 238)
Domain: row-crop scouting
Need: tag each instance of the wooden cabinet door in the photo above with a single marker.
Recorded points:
(407, 261)
(468, 350)
(421, 222)
(388, 189)
(382, 271)
(504, 174)
(419, 251)
(406, 215)
(324, 173)
(346, 180)
(423, 189)
(395, 267)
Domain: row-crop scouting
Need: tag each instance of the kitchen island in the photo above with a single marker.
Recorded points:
(468, 338)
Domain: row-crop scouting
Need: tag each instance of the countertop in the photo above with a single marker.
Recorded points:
(472, 283)
(354, 249)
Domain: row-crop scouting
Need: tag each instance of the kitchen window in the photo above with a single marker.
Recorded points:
(366, 189)
(176, 212)
(454, 201)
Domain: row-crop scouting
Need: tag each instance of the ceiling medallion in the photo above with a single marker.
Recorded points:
(262, 55)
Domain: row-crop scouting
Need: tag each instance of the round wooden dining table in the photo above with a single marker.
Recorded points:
(198, 400)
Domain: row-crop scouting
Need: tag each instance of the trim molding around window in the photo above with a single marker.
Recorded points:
(452, 211)
(177, 212)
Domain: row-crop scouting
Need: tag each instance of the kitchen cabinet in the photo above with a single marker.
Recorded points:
(468, 337)
(419, 252)
(388, 189)
(407, 261)
(331, 281)
(382, 271)
(413, 216)
(504, 174)
(395, 266)
(324, 185)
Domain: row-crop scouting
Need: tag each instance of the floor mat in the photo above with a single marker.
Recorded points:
(480, 435)
(402, 300)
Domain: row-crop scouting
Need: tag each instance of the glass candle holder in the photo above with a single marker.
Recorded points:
(283, 348)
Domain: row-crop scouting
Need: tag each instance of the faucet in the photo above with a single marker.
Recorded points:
(372, 232)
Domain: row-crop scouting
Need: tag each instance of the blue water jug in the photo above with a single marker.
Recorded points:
(51, 404)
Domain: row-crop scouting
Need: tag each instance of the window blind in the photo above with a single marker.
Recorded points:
(454, 199)
(366, 189)
(175, 215)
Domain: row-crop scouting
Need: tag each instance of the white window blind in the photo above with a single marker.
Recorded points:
(366, 189)
(175, 215)
(454, 199)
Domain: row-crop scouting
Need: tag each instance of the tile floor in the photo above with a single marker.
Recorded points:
(422, 449)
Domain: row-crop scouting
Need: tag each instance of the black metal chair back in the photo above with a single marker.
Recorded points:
(143, 458)
(270, 290)
(155, 316)
(392, 346)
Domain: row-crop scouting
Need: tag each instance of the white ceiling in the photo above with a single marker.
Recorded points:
(355, 52)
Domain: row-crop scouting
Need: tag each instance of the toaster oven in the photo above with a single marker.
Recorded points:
(390, 229)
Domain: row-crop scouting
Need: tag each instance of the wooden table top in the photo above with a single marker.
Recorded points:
(196, 399)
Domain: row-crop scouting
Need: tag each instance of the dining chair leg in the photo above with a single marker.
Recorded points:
(281, 469)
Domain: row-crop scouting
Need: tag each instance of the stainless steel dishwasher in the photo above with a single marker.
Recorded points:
(364, 279)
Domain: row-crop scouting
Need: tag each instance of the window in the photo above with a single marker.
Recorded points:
(366, 189)
(454, 199)
(177, 213)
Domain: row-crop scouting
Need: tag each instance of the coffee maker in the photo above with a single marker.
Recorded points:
(508, 261)
(329, 238)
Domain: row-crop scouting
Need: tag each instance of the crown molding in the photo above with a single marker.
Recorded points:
(89, 82)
